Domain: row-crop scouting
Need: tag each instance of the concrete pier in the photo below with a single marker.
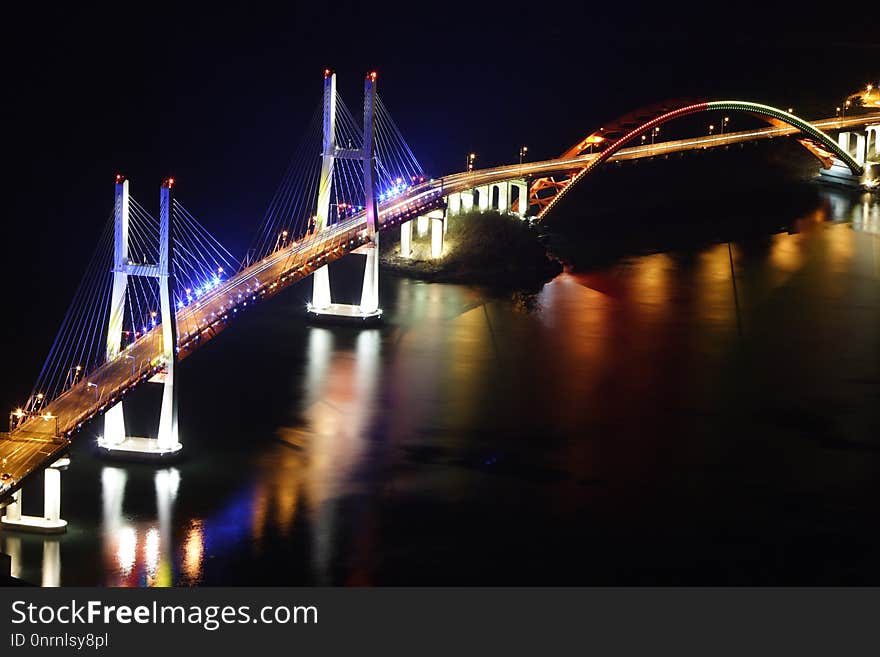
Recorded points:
(51, 521)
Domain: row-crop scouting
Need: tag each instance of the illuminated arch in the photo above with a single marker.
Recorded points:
(813, 139)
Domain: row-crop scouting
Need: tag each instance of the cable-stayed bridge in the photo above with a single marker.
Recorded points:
(348, 181)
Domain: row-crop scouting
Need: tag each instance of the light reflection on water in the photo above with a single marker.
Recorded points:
(426, 408)
(138, 552)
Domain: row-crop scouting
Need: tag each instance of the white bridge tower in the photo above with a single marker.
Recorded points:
(115, 441)
(322, 305)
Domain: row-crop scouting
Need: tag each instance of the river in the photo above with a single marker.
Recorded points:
(697, 415)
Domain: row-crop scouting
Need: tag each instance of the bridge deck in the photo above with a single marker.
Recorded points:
(462, 181)
(28, 450)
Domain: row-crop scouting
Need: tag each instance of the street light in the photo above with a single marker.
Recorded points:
(470, 161)
(845, 107)
(654, 133)
(724, 123)
(522, 153)
(711, 128)
(791, 110)
(282, 239)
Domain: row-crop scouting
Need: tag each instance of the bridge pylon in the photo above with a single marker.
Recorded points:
(115, 442)
(50, 522)
(322, 306)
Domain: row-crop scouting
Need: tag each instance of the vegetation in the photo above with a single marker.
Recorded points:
(490, 248)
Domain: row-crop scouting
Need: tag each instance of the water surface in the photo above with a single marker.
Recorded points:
(663, 418)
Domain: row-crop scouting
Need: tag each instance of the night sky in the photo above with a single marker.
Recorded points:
(219, 97)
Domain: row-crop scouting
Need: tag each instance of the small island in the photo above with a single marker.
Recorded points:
(486, 248)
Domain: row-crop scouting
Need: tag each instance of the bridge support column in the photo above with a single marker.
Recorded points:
(114, 418)
(467, 201)
(422, 225)
(50, 522)
(13, 510)
(855, 144)
(167, 440)
(522, 196)
(861, 154)
(503, 197)
(453, 204)
(859, 149)
(436, 238)
(370, 291)
(873, 132)
(436, 217)
(321, 288)
(322, 306)
(406, 239)
(114, 425)
(485, 198)
(321, 296)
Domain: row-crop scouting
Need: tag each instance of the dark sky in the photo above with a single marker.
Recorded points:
(218, 96)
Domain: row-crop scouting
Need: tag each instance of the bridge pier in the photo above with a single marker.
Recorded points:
(484, 198)
(422, 226)
(406, 239)
(369, 305)
(51, 521)
(873, 138)
(503, 196)
(464, 202)
(857, 144)
(453, 204)
(438, 226)
(467, 201)
(522, 188)
(321, 296)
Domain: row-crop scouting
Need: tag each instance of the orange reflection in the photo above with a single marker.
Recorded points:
(193, 552)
